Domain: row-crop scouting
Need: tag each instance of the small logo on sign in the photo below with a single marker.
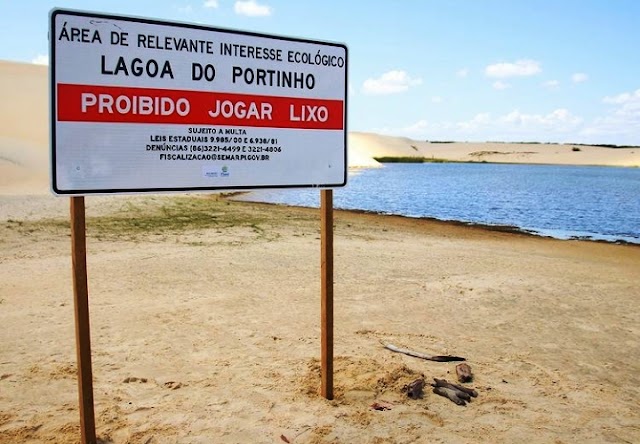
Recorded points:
(209, 171)
(225, 171)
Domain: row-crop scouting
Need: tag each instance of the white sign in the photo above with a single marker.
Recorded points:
(140, 105)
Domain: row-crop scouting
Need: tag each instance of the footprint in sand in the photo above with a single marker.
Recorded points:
(134, 379)
(173, 385)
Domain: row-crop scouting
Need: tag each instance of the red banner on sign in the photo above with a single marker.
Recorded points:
(109, 104)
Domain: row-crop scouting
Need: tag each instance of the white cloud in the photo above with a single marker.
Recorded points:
(40, 59)
(579, 77)
(519, 126)
(619, 125)
(623, 98)
(519, 68)
(462, 73)
(551, 84)
(622, 123)
(478, 121)
(187, 9)
(436, 99)
(499, 85)
(419, 129)
(210, 4)
(252, 8)
(557, 125)
(391, 82)
(558, 120)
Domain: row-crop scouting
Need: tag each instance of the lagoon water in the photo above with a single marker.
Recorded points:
(560, 201)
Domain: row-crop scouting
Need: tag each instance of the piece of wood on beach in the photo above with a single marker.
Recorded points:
(445, 383)
(464, 373)
(415, 354)
(453, 395)
(414, 389)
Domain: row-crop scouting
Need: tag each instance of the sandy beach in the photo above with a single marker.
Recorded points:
(208, 331)
(205, 313)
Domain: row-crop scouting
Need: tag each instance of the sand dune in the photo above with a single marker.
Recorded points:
(24, 138)
(375, 145)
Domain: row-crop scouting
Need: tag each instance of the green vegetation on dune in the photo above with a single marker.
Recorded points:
(606, 145)
(399, 159)
(414, 159)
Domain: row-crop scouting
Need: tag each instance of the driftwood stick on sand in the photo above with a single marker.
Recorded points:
(393, 348)
(453, 395)
(445, 383)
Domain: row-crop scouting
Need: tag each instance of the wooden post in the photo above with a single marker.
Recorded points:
(81, 305)
(326, 271)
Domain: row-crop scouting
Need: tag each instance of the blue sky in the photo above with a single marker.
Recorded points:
(473, 70)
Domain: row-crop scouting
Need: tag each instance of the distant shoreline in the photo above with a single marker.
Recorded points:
(495, 228)
(409, 159)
